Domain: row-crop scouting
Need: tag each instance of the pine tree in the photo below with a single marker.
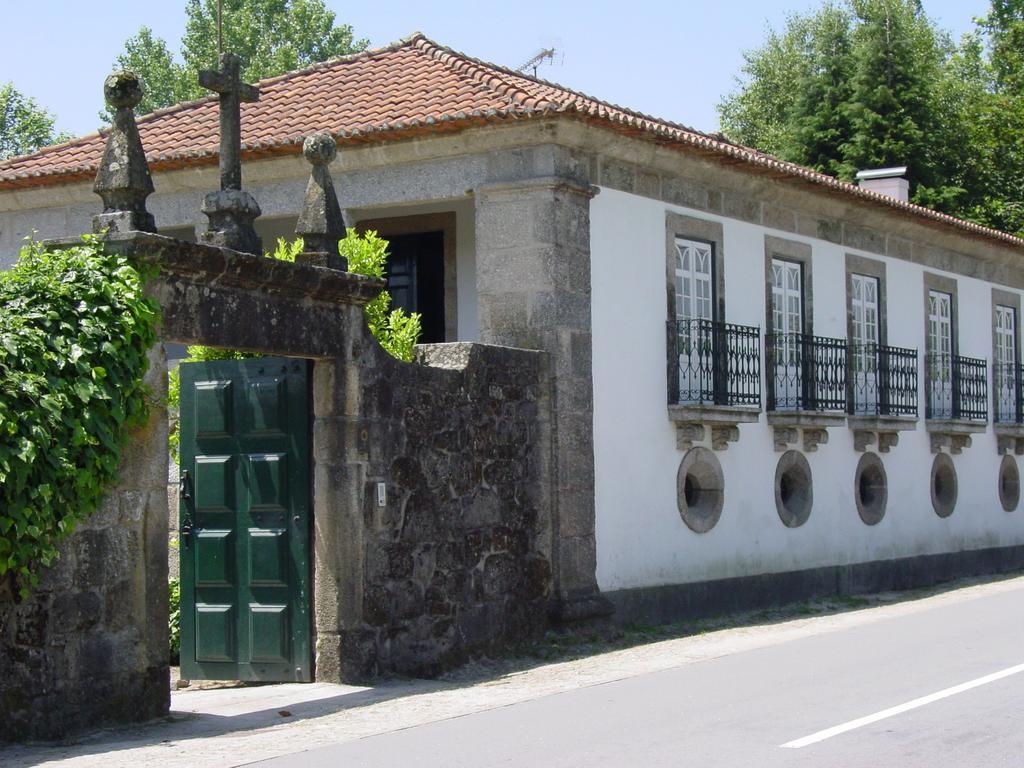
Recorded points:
(819, 126)
(891, 109)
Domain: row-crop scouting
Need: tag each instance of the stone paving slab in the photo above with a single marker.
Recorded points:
(236, 726)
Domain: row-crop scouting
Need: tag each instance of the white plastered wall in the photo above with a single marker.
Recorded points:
(641, 538)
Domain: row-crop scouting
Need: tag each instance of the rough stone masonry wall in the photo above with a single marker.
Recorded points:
(449, 564)
(89, 646)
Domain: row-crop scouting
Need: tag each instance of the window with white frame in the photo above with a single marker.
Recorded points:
(694, 287)
(940, 353)
(1006, 371)
(865, 338)
(694, 280)
(1006, 335)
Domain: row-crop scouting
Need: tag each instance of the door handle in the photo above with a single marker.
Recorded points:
(183, 485)
(187, 526)
(187, 529)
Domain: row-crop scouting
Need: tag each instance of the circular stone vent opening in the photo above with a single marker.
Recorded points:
(700, 489)
(1009, 484)
(943, 485)
(871, 489)
(794, 494)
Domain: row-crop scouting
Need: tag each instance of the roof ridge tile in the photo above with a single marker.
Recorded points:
(477, 70)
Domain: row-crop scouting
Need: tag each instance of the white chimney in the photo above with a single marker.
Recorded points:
(886, 181)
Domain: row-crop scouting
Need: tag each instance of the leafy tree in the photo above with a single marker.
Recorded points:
(24, 125)
(757, 114)
(1004, 27)
(962, 148)
(165, 81)
(270, 36)
(872, 83)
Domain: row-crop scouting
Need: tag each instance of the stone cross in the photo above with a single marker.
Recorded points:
(231, 210)
(227, 82)
(123, 179)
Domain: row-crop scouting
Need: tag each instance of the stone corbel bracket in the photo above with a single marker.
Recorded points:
(1010, 438)
(716, 425)
(952, 435)
(791, 428)
(883, 432)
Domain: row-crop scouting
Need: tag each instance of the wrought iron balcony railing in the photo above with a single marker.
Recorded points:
(1008, 393)
(883, 380)
(718, 363)
(805, 373)
(957, 387)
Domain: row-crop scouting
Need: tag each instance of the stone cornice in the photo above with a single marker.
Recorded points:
(647, 169)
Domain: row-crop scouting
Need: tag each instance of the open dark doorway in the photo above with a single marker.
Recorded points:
(415, 272)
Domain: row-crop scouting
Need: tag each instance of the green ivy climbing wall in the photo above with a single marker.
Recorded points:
(75, 327)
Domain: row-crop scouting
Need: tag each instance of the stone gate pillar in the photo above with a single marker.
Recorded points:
(533, 282)
(89, 647)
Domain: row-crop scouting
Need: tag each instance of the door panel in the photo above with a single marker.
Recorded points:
(245, 520)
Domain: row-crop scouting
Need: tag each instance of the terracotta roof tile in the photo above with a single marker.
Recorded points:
(409, 88)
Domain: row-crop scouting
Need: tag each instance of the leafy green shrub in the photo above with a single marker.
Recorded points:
(285, 251)
(396, 331)
(74, 331)
(174, 619)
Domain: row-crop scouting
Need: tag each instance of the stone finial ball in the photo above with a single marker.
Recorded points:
(320, 148)
(122, 89)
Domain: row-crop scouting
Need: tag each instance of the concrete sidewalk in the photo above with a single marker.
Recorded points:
(236, 726)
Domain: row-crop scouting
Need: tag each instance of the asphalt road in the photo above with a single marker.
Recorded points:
(895, 689)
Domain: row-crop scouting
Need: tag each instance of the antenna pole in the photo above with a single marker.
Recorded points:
(546, 54)
(220, 29)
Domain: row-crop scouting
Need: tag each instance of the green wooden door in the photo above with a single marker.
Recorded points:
(244, 517)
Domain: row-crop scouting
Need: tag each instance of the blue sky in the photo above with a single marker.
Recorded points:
(670, 59)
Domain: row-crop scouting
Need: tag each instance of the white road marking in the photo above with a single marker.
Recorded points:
(828, 733)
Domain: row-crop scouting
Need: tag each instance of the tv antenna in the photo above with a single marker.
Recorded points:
(545, 54)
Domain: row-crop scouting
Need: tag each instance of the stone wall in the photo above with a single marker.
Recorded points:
(448, 563)
(451, 561)
(89, 647)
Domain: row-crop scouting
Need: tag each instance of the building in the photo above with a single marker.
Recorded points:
(768, 383)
